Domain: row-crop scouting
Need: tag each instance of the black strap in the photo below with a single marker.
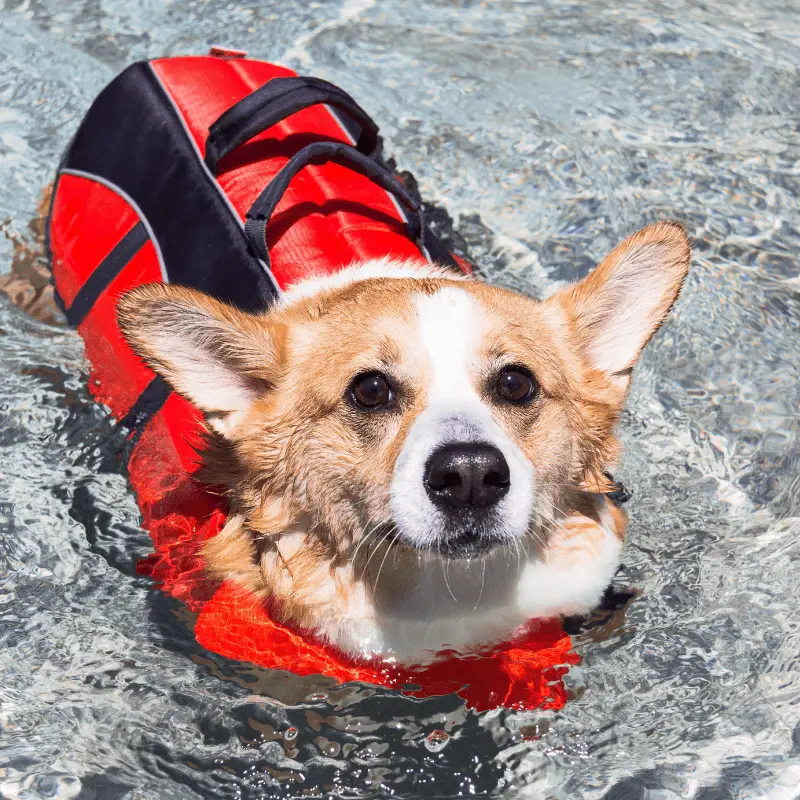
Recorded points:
(276, 100)
(438, 253)
(259, 215)
(106, 271)
(147, 405)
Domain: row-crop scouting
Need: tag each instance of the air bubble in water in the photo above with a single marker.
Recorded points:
(436, 741)
(290, 734)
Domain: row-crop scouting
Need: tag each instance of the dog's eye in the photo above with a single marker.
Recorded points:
(515, 385)
(371, 391)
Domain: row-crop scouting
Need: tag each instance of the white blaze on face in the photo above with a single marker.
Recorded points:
(451, 327)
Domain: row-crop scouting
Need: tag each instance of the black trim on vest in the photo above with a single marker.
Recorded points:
(438, 253)
(147, 405)
(435, 248)
(108, 269)
(162, 172)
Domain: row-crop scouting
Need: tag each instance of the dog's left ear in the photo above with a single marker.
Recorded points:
(216, 356)
(617, 308)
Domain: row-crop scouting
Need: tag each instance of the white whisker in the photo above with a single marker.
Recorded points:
(483, 579)
(375, 550)
(366, 536)
(383, 561)
(446, 582)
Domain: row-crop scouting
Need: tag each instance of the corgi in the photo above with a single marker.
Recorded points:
(415, 460)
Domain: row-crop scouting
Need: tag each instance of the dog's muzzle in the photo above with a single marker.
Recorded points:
(465, 481)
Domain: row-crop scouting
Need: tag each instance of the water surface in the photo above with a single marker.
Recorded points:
(548, 131)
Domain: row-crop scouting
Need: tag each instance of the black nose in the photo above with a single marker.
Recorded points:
(467, 476)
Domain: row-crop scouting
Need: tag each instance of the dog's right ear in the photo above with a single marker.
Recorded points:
(216, 356)
(617, 308)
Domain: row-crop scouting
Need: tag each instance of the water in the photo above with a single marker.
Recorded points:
(548, 131)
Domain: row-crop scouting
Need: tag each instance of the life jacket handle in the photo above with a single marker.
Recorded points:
(261, 211)
(280, 98)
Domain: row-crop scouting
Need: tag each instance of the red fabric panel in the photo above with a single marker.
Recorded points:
(117, 376)
(76, 252)
(524, 674)
(329, 215)
(464, 266)
(179, 513)
(204, 87)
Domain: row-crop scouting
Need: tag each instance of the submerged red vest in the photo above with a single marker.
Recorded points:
(239, 178)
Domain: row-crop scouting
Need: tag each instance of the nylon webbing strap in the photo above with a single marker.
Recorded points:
(147, 405)
(106, 271)
(273, 102)
(156, 392)
(261, 211)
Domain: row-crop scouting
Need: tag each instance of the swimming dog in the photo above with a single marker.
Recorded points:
(415, 460)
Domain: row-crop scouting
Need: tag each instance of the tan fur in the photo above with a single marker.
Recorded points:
(307, 476)
(582, 525)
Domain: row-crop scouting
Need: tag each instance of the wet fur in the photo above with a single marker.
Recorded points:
(309, 479)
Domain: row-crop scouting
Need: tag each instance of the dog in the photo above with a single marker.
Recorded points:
(415, 460)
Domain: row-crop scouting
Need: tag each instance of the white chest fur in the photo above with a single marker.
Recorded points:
(418, 604)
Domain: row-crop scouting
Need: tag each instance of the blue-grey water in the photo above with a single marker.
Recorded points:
(548, 131)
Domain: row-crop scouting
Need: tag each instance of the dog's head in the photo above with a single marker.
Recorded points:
(448, 415)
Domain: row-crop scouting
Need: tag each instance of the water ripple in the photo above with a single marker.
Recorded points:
(548, 131)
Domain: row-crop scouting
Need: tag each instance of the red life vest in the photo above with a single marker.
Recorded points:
(165, 181)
